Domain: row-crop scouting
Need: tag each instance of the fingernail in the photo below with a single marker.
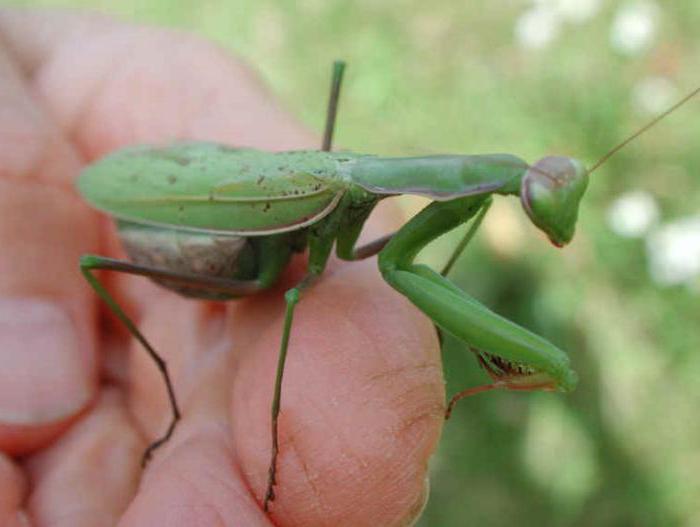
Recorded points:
(43, 376)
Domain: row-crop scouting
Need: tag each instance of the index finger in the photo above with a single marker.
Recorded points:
(112, 84)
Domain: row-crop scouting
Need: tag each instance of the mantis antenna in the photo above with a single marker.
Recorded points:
(643, 129)
(336, 80)
(619, 146)
(622, 144)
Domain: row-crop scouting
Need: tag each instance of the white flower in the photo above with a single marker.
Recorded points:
(674, 252)
(653, 95)
(634, 27)
(575, 11)
(537, 27)
(633, 214)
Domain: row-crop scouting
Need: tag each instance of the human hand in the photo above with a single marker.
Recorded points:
(79, 400)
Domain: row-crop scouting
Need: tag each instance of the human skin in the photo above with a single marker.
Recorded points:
(363, 395)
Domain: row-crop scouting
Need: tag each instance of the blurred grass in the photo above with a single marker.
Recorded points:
(445, 76)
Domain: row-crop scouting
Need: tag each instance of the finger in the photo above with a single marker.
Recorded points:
(12, 490)
(46, 342)
(137, 84)
(194, 478)
(99, 456)
(362, 404)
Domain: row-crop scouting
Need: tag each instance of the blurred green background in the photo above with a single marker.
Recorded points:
(571, 77)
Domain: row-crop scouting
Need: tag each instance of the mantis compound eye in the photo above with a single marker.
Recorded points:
(550, 192)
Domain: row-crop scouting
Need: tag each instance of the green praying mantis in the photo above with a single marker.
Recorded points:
(215, 222)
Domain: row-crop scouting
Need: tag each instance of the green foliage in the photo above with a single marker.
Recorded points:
(445, 76)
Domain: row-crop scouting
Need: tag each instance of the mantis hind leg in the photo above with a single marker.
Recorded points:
(89, 263)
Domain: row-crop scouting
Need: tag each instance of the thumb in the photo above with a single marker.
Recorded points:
(46, 352)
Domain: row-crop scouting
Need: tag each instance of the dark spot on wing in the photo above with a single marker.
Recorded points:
(225, 148)
(171, 156)
(172, 179)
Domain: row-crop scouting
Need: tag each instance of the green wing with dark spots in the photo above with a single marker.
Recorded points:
(207, 186)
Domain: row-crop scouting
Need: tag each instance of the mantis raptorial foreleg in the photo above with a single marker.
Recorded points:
(476, 223)
(511, 353)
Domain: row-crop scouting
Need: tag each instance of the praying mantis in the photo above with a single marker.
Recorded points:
(214, 222)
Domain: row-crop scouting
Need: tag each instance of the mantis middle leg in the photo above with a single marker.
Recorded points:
(320, 245)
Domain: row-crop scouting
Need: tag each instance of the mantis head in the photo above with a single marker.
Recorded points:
(552, 188)
(550, 192)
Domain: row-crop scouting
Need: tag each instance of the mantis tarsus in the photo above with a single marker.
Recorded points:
(215, 222)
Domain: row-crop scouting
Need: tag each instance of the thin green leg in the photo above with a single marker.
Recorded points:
(87, 264)
(320, 244)
(320, 247)
(291, 298)
(476, 223)
(274, 263)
